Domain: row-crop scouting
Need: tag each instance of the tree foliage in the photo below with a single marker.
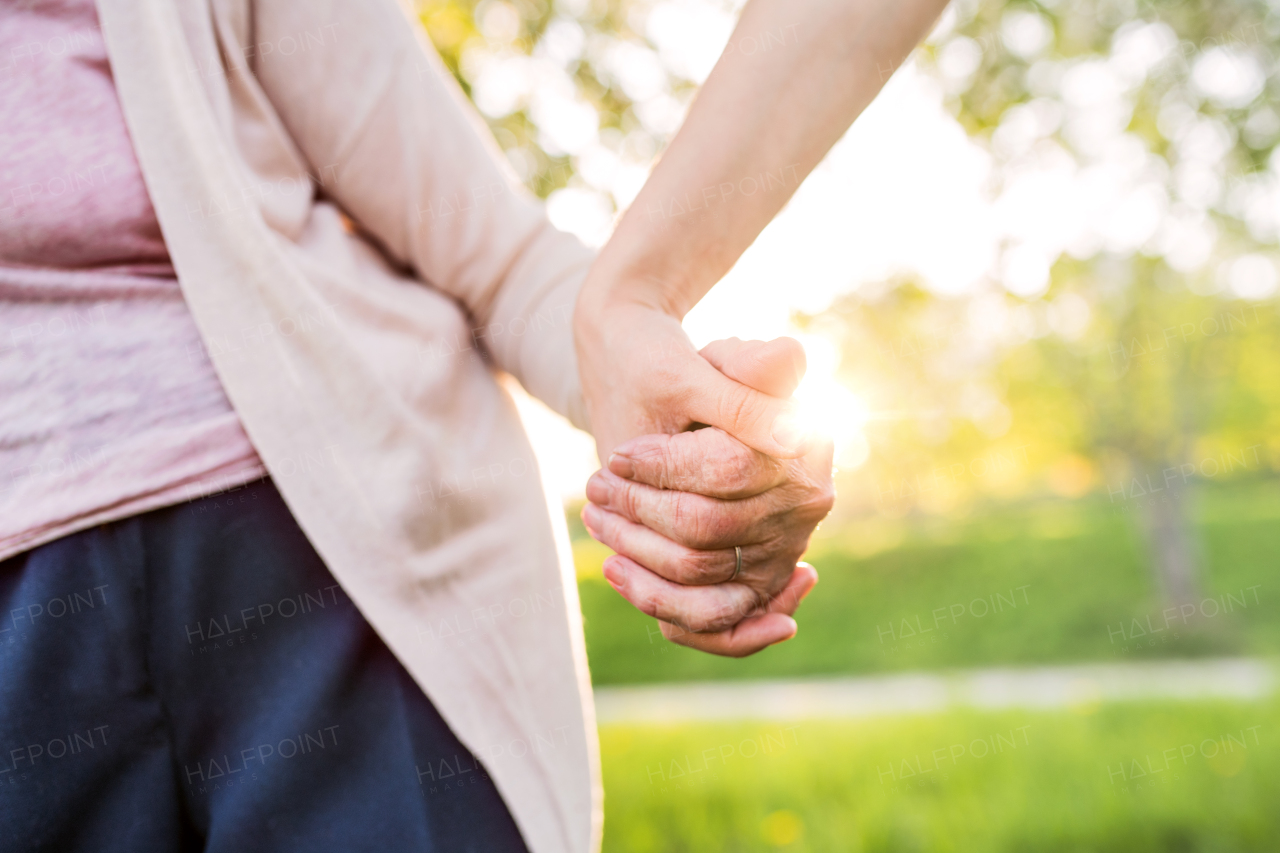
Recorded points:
(1149, 356)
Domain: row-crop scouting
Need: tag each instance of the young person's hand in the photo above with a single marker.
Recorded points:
(641, 374)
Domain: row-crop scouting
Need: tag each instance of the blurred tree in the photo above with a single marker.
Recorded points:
(1142, 353)
(580, 94)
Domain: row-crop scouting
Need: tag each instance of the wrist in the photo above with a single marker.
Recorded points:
(608, 287)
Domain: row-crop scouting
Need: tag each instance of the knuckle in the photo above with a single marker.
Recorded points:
(710, 460)
(736, 409)
(720, 525)
(627, 498)
(739, 469)
(812, 501)
(680, 510)
(693, 525)
(820, 502)
(714, 527)
(775, 583)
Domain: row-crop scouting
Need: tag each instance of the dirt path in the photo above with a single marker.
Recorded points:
(929, 692)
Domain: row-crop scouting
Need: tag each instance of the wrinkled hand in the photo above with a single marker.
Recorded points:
(673, 506)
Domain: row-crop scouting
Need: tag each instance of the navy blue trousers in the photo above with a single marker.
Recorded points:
(193, 678)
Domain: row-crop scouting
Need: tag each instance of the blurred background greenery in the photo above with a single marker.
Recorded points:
(1090, 428)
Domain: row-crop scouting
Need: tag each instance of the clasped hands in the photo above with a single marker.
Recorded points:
(673, 502)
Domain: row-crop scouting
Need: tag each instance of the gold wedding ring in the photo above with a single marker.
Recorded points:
(737, 550)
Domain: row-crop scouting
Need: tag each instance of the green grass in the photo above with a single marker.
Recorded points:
(1053, 785)
(1075, 573)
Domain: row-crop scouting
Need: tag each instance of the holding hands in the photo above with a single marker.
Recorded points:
(707, 527)
(708, 524)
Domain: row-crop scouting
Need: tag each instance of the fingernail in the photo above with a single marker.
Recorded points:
(591, 520)
(622, 465)
(815, 579)
(787, 431)
(615, 574)
(599, 491)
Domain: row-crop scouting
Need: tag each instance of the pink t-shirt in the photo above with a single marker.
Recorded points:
(109, 405)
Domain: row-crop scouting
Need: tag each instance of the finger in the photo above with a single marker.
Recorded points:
(692, 608)
(768, 424)
(746, 638)
(693, 520)
(677, 563)
(756, 632)
(707, 461)
(773, 367)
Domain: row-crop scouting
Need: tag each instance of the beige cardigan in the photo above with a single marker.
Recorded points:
(340, 220)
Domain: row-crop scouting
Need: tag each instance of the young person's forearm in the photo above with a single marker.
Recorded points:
(794, 76)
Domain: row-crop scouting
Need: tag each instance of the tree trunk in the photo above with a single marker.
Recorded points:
(1173, 547)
